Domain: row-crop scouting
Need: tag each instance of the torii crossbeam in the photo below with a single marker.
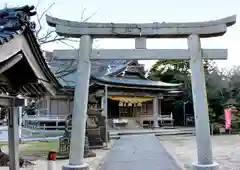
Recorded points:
(192, 31)
(149, 30)
(143, 54)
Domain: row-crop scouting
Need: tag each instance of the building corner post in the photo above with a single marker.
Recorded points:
(13, 135)
(155, 112)
(102, 104)
(106, 113)
(79, 115)
(203, 138)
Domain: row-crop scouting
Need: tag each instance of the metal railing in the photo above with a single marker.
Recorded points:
(46, 117)
(45, 127)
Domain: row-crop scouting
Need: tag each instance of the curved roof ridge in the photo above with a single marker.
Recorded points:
(119, 80)
(14, 21)
(16, 27)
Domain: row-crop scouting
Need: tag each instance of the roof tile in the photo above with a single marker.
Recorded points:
(65, 69)
(13, 21)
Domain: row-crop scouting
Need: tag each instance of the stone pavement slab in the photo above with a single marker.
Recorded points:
(139, 152)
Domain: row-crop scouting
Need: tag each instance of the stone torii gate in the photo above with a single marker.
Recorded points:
(192, 31)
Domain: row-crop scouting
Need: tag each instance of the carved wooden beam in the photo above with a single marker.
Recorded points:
(10, 63)
(149, 30)
(100, 93)
(6, 100)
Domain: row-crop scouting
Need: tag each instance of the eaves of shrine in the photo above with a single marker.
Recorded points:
(23, 69)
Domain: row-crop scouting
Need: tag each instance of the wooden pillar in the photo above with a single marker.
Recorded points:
(102, 104)
(160, 108)
(155, 112)
(13, 133)
(48, 105)
(106, 112)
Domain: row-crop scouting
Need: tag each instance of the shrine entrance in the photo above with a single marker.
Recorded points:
(127, 112)
(195, 54)
(127, 107)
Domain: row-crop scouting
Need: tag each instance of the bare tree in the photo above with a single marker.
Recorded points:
(48, 35)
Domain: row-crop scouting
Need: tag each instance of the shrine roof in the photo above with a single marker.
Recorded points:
(21, 59)
(135, 82)
(65, 69)
(104, 71)
(14, 21)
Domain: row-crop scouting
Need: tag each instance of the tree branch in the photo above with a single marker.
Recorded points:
(49, 36)
(39, 18)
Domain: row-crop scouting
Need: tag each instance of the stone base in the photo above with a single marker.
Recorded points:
(89, 154)
(155, 127)
(214, 166)
(75, 167)
(106, 148)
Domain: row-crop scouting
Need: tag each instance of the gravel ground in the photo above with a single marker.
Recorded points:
(226, 150)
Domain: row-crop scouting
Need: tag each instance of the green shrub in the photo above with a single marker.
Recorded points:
(235, 125)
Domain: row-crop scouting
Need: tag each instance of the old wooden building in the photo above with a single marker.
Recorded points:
(130, 94)
(23, 71)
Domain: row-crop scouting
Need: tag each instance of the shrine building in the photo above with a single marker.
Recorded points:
(130, 94)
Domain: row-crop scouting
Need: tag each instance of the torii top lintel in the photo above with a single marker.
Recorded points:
(149, 30)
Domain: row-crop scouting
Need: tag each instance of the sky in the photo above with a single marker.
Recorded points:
(136, 11)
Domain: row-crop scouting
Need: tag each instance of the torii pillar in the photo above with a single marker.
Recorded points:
(204, 147)
(79, 115)
(192, 31)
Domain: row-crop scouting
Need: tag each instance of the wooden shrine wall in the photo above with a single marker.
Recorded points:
(60, 106)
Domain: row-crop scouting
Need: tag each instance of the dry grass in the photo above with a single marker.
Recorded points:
(38, 150)
(2, 144)
(35, 150)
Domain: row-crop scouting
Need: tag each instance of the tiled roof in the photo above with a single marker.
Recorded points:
(65, 69)
(135, 82)
(13, 21)
(102, 71)
(14, 25)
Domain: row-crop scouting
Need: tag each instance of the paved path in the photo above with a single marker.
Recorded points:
(139, 152)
